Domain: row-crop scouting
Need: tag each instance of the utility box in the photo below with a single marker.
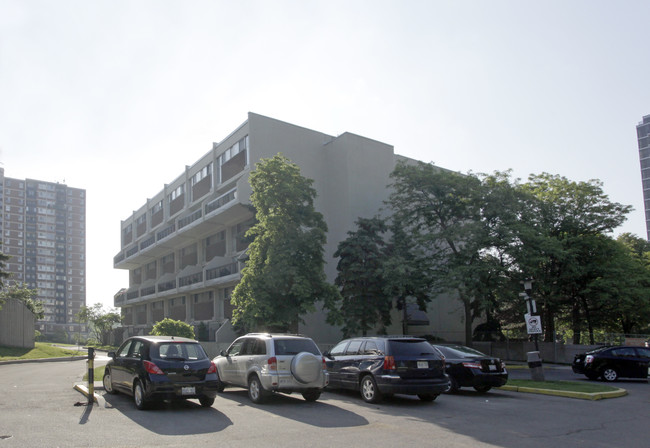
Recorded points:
(535, 366)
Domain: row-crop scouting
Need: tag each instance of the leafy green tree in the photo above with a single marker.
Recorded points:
(3, 274)
(564, 220)
(284, 276)
(440, 213)
(26, 295)
(361, 279)
(171, 327)
(100, 322)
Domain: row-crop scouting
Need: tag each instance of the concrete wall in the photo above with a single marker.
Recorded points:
(16, 325)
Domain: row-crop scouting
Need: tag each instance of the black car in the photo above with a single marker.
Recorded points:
(611, 363)
(380, 366)
(151, 368)
(467, 367)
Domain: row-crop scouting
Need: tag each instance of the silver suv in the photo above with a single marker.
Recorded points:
(265, 363)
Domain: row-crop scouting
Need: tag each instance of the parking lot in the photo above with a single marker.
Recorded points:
(38, 409)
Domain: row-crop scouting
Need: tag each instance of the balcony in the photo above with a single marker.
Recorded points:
(216, 213)
(171, 284)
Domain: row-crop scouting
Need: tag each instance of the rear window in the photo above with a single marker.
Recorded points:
(410, 347)
(458, 351)
(295, 346)
(179, 350)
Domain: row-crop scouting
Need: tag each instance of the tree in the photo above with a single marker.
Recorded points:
(171, 327)
(3, 274)
(564, 220)
(100, 322)
(26, 295)
(440, 216)
(360, 278)
(284, 275)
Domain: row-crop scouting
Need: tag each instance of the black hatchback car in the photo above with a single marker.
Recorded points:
(611, 363)
(381, 366)
(467, 367)
(151, 368)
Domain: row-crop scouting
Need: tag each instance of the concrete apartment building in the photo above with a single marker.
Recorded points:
(643, 136)
(43, 230)
(183, 248)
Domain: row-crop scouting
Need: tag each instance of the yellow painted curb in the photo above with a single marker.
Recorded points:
(568, 394)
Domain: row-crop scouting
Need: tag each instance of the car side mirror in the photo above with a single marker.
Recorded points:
(111, 355)
(223, 353)
(328, 356)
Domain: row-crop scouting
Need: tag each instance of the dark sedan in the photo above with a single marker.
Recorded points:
(383, 366)
(152, 368)
(611, 363)
(467, 367)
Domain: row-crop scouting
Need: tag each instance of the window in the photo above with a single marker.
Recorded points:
(178, 192)
(353, 348)
(202, 174)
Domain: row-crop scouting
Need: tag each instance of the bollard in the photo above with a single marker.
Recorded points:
(535, 366)
(91, 375)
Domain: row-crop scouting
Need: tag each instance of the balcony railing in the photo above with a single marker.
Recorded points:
(189, 219)
(220, 201)
(221, 271)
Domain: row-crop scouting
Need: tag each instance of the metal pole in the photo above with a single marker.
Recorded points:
(91, 375)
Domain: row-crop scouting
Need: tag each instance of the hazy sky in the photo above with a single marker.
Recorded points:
(117, 97)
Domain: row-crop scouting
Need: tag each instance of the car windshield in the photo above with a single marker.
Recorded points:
(295, 346)
(458, 351)
(180, 350)
(410, 347)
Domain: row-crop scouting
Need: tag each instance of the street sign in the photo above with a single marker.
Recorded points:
(533, 324)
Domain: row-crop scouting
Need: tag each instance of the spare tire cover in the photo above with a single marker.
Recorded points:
(306, 367)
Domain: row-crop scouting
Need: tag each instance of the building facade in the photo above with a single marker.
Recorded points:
(184, 247)
(643, 137)
(43, 228)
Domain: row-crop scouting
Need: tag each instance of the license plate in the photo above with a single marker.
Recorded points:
(423, 364)
(493, 367)
(188, 390)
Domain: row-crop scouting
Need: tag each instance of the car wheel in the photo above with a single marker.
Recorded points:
(206, 402)
(427, 397)
(453, 386)
(256, 392)
(311, 395)
(609, 374)
(138, 396)
(220, 386)
(369, 391)
(108, 382)
(482, 389)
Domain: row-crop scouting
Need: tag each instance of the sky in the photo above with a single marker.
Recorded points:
(117, 96)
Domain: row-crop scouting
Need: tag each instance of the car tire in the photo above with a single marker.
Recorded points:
(256, 392)
(206, 402)
(306, 367)
(427, 397)
(369, 391)
(482, 389)
(220, 386)
(609, 374)
(108, 383)
(138, 396)
(311, 395)
(453, 386)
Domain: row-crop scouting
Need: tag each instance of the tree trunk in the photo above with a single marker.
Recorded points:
(575, 323)
(467, 305)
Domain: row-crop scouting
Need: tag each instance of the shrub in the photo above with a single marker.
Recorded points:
(171, 327)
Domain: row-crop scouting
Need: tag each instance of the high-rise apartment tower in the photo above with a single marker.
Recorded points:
(43, 230)
(643, 136)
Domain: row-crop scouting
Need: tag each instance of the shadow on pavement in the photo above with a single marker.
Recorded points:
(318, 413)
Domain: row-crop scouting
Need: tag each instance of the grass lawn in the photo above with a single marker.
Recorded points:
(98, 373)
(41, 350)
(571, 386)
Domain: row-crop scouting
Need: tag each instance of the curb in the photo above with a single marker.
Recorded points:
(568, 394)
(21, 361)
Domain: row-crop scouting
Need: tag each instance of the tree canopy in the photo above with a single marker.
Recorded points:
(100, 322)
(284, 275)
(171, 327)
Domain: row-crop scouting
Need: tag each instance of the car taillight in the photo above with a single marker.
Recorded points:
(589, 359)
(389, 363)
(152, 368)
(324, 364)
(212, 369)
(273, 363)
(472, 365)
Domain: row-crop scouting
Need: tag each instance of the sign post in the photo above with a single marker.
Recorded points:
(534, 327)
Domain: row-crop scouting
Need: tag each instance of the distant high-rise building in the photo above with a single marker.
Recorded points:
(43, 230)
(643, 136)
